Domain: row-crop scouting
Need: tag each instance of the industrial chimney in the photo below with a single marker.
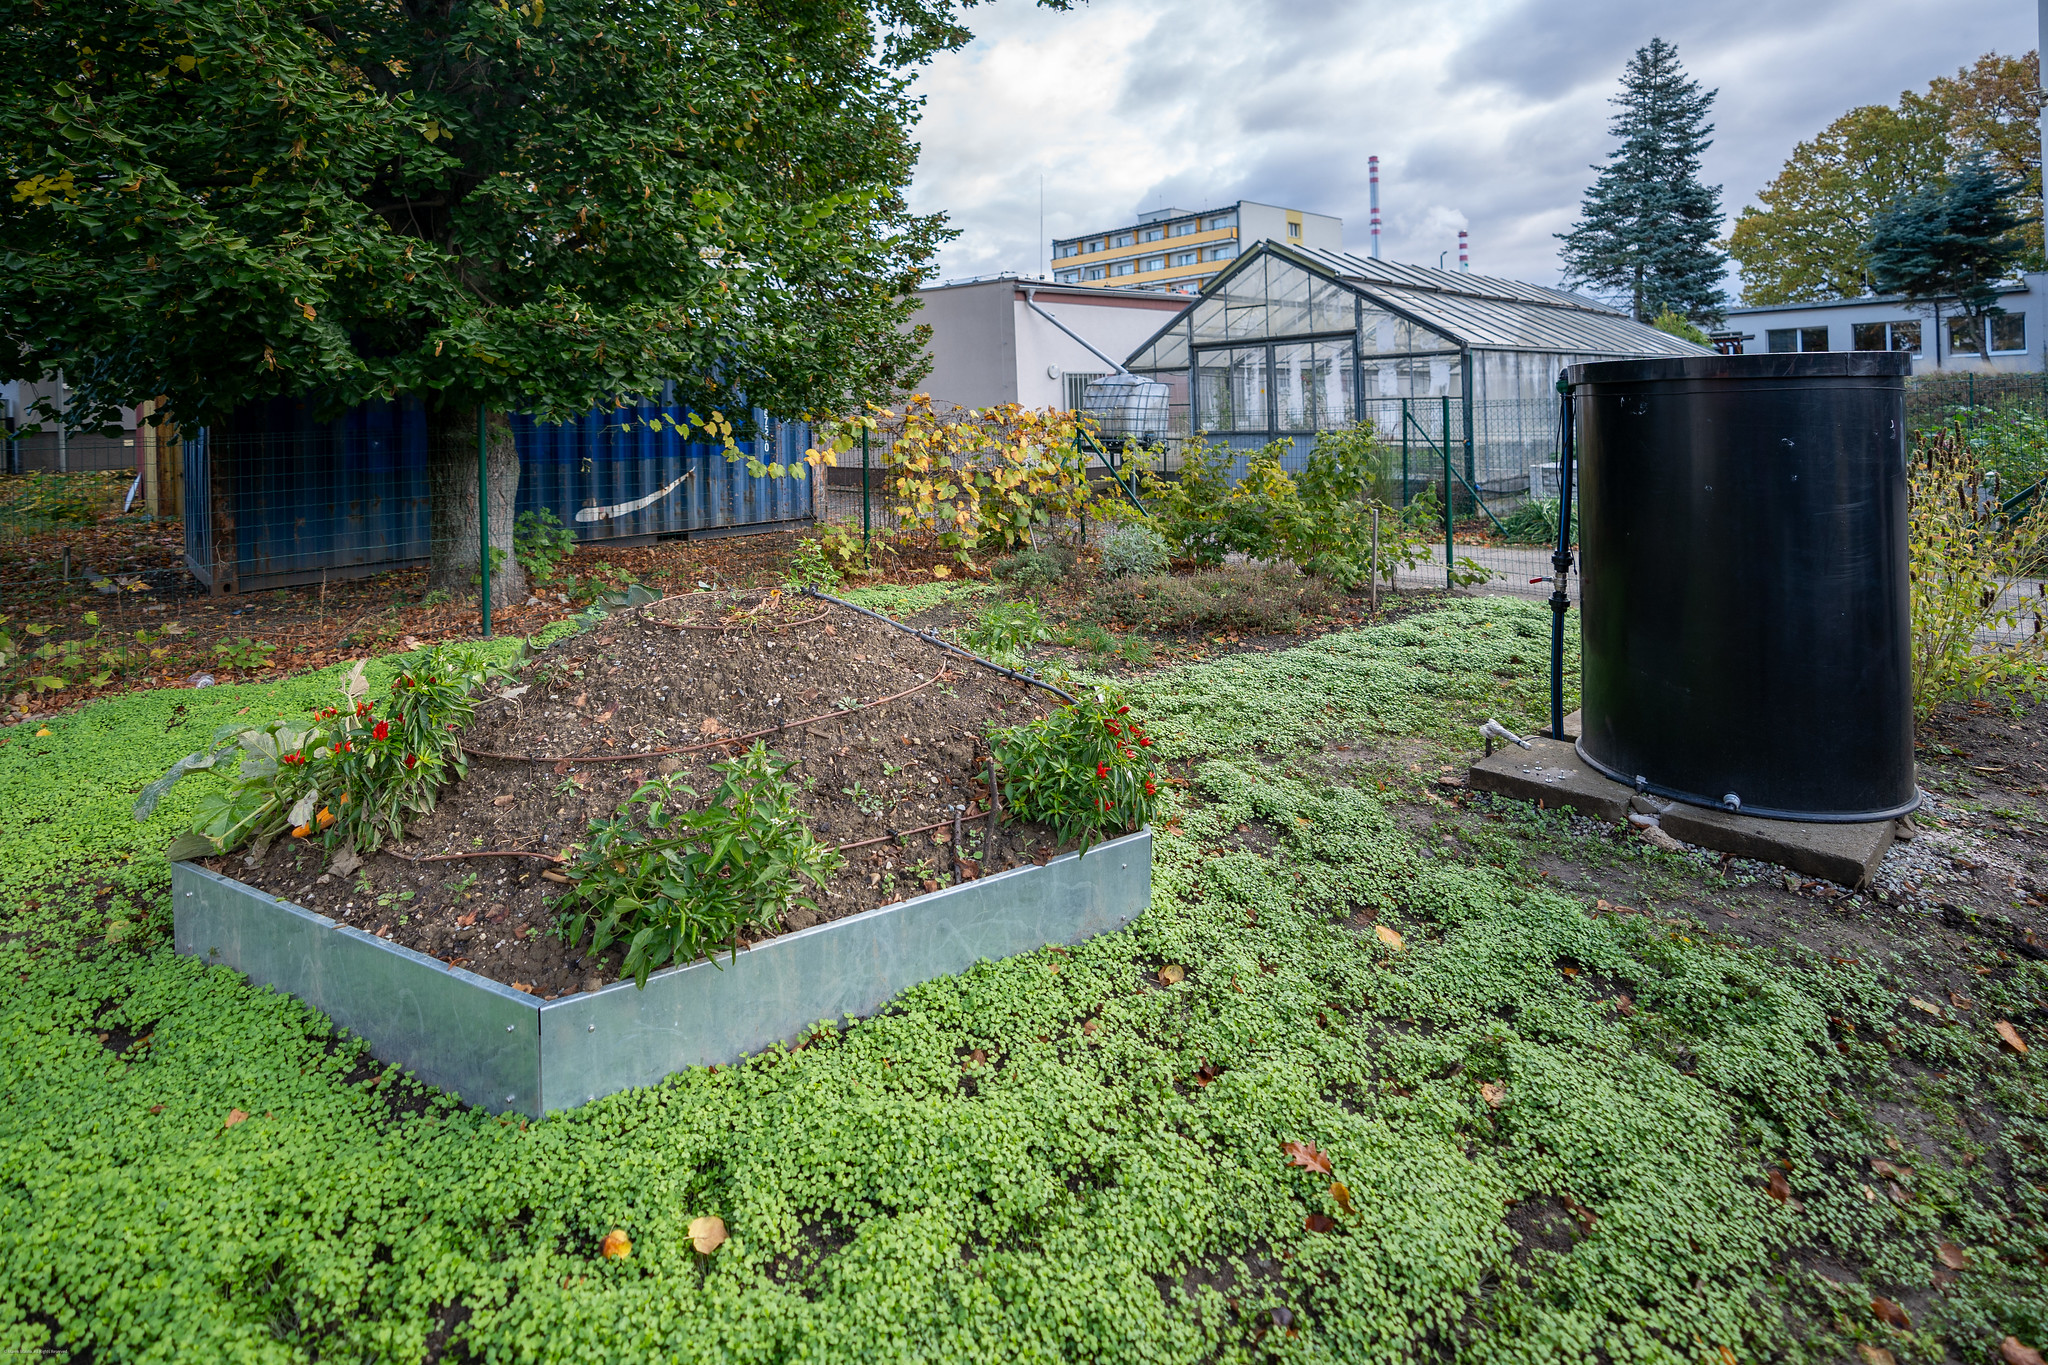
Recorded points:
(1464, 251)
(1374, 164)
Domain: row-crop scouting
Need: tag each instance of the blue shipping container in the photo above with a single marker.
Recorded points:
(286, 500)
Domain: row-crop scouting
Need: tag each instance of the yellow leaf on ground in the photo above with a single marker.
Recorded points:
(1494, 1093)
(46, 729)
(1388, 936)
(707, 1234)
(1341, 1192)
(2010, 1036)
(617, 1244)
(1172, 974)
(1925, 1006)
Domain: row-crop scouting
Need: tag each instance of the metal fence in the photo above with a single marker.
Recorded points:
(1941, 396)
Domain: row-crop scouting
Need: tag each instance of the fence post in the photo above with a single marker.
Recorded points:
(1404, 452)
(865, 522)
(483, 515)
(1444, 443)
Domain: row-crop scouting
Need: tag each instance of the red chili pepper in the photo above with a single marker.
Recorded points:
(1144, 743)
(411, 760)
(1101, 771)
(382, 730)
(1121, 709)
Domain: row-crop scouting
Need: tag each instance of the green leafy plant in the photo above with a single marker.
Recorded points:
(56, 664)
(1033, 569)
(1134, 549)
(541, 543)
(677, 883)
(349, 778)
(1005, 630)
(809, 568)
(1533, 523)
(1086, 769)
(244, 655)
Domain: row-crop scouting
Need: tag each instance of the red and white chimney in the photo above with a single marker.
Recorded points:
(1464, 251)
(1373, 163)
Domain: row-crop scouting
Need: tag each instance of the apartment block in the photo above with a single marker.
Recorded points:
(1182, 249)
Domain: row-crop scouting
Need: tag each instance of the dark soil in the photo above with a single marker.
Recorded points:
(867, 775)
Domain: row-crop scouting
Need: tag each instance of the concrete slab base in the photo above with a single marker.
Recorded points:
(1552, 772)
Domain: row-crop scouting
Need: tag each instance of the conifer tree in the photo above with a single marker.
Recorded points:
(1951, 240)
(1647, 226)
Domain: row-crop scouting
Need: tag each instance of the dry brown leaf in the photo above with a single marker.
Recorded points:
(1319, 1222)
(550, 875)
(1172, 974)
(1926, 1007)
(1494, 1093)
(1087, 1025)
(1961, 1002)
(1388, 936)
(603, 717)
(1882, 1167)
(1898, 1196)
(1875, 1355)
(581, 697)
(2010, 1036)
(464, 921)
(977, 1057)
(1305, 1155)
(708, 726)
(1869, 1195)
(1727, 1356)
(616, 1244)
(1952, 1256)
(1568, 971)
(1884, 1310)
(1778, 1187)
(235, 1116)
(508, 798)
(2013, 1351)
(1341, 1192)
(707, 1234)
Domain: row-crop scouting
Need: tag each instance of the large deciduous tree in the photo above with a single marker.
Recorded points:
(488, 206)
(1647, 226)
(1809, 239)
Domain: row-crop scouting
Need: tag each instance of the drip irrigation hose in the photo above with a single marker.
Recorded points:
(1561, 558)
(932, 638)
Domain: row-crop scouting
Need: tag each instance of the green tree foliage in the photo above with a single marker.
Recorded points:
(542, 206)
(1809, 239)
(1647, 225)
(1953, 239)
(1678, 325)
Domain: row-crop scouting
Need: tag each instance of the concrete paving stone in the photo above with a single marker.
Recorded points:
(1551, 771)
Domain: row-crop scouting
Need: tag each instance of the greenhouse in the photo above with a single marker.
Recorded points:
(1455, 370)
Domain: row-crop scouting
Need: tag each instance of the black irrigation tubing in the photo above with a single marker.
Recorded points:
(932, 638)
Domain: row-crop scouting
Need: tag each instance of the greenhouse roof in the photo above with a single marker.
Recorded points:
(1276, 291)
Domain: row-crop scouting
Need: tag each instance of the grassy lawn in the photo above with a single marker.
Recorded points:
(1417, 1092)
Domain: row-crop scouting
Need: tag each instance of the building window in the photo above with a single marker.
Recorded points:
(1121, 239)
(1092, 247)
(1064, 277)
(1077, 390)
(1221, 253)
(1886, 336)
(1293, 231)
(1153, 263)
(1221, 220)
(1181, 258)
(1965, 336)
(1183, 229)
(1784, 340)
(2008, 332)
(1150, 234)
(1093, 272)
(1120, 268)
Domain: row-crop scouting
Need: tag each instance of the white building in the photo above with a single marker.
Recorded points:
(2011, 341)
(1000, 339)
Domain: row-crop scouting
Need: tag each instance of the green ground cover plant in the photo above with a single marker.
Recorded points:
(1335, 1097)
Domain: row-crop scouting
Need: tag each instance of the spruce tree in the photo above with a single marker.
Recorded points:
(1647, 225)
(1953, 239)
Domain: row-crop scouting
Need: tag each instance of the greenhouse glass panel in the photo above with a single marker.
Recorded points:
(1287, 291)
(1312, 385)
(1231, 390)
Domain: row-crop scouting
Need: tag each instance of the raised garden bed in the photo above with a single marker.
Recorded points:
(419, 945)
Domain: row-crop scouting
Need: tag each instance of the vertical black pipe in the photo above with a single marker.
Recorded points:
(1561, 558)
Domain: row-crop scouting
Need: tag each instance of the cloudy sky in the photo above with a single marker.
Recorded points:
(1485, 114)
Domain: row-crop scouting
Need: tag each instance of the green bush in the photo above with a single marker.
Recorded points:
(676, 883)
(1086, 769)
(1267, 600)
(1005, 630)
(541, 543)
(1033, 569)
(1533, 523)
(809, 568)
(1133, 549)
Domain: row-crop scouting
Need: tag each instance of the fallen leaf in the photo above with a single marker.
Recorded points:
(1961, 1002)
(1727, 1356)
(1172, 974)
(1319, 1222)
(1624, 1004)
(708, 726)
(1952, 1256)
(1088, 1026)
(581, 697)
(156, 1109)
(2010, 1036)
(2014, 1352)
(603, 717)
(1494, 1093)
(235, 1116)
(1778, 1187)
(617, 1244)
(1305, 1155)
(1568, 971)
(1869, 1195)
(42, 732)
(550, 875)
(1926, 1007)
(508, 798)
(1579, 1211)
(1875, 1355)
(1882, 1167)
(1884, 1310)
(464, 921)
(1206, 1073)
(1341, 1192)
(1897, 1195)
(977, 1057)
(707, 1234)
(519, 986)
(1388, 936)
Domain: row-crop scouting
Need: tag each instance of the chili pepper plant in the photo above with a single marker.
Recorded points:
(1086, 769)
(350, 778)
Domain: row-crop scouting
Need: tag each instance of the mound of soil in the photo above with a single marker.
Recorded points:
(886, 731)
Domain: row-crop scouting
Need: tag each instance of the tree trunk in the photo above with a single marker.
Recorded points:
(452, 482)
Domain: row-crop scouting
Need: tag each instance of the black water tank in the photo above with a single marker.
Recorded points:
(1744, 615)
